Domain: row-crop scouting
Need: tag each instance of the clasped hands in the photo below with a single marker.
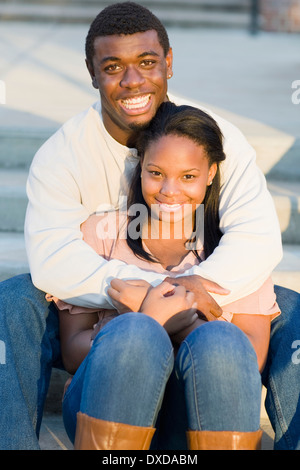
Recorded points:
(178, 304)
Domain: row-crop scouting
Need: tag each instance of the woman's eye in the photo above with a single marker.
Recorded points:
(155, 173)
(189, 177)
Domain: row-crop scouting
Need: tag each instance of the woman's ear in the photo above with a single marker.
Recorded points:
(211, 173)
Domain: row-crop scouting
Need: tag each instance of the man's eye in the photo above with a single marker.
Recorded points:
(148, 63)
(112, 68)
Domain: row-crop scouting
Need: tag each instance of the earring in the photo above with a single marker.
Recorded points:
(210, 183)
(170, 74)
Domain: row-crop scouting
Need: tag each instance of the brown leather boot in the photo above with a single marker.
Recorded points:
(97, 434)
(224, 440)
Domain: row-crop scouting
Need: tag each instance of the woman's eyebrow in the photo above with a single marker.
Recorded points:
(152, 164)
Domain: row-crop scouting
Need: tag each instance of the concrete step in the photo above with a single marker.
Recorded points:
(287, 273)
(206, 4)
(190, 13)
(19, 145)
(13, 258)
(277, 153)
(13, 261)
(13, 202)
(220, 13)
(286, 196)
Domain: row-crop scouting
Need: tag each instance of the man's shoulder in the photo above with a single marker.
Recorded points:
(88, 115)
(236, 147)
(77, 129)
(73, 127)
(229, 130)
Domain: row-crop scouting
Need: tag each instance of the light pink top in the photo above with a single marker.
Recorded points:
(106, 235)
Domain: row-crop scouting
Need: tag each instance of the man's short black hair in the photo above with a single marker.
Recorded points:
(124, 18)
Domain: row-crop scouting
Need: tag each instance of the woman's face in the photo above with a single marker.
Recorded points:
(175, 175)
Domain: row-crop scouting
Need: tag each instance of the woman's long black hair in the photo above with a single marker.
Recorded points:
(183, 121)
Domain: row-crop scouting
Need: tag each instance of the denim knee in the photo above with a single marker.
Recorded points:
(135, 338)
(218, 367)
(128, 367)
(219, 346)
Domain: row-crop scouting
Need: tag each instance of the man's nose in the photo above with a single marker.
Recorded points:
(132, 78)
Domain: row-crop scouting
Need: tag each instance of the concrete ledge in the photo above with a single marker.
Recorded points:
(18, 146)
(176, 14)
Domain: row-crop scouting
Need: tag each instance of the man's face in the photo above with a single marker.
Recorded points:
(131, 73)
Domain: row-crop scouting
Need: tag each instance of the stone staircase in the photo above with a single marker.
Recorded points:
(190, 13)
(46, 83)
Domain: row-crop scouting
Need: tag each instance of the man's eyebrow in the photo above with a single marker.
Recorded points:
(110, 59)
(118, 59)
(146, 53)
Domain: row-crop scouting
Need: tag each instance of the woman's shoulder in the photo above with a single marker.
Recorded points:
(103, 229)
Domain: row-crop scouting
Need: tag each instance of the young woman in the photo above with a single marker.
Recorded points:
(154, 362)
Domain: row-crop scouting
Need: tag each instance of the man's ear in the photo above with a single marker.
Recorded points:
(169, 62)
(92, 74)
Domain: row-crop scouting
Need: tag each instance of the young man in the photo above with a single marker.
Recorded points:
(87, 165)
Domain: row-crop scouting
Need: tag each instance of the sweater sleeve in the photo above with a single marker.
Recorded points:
(60, 261)
(250, 247)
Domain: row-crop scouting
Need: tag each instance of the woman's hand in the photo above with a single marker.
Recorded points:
(127, 296)
(173, 307)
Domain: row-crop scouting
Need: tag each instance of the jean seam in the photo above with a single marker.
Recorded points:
(194, 384)
(281, 420)
(167, 366)
(75, 380)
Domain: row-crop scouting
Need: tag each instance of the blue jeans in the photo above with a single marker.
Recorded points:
(28, 323)
(29, 332)
(124, 377)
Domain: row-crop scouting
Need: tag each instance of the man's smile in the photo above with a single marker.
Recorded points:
(136, 104)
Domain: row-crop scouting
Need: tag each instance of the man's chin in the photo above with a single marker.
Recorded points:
(138, 126)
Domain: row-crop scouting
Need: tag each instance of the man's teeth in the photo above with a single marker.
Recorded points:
(135, 103)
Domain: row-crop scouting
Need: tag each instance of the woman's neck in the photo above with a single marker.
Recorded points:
(166, 242)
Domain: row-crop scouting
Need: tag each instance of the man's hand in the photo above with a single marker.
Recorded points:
(127, 296)
(200, 286)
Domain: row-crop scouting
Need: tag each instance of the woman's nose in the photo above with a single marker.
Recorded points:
(169, 188)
